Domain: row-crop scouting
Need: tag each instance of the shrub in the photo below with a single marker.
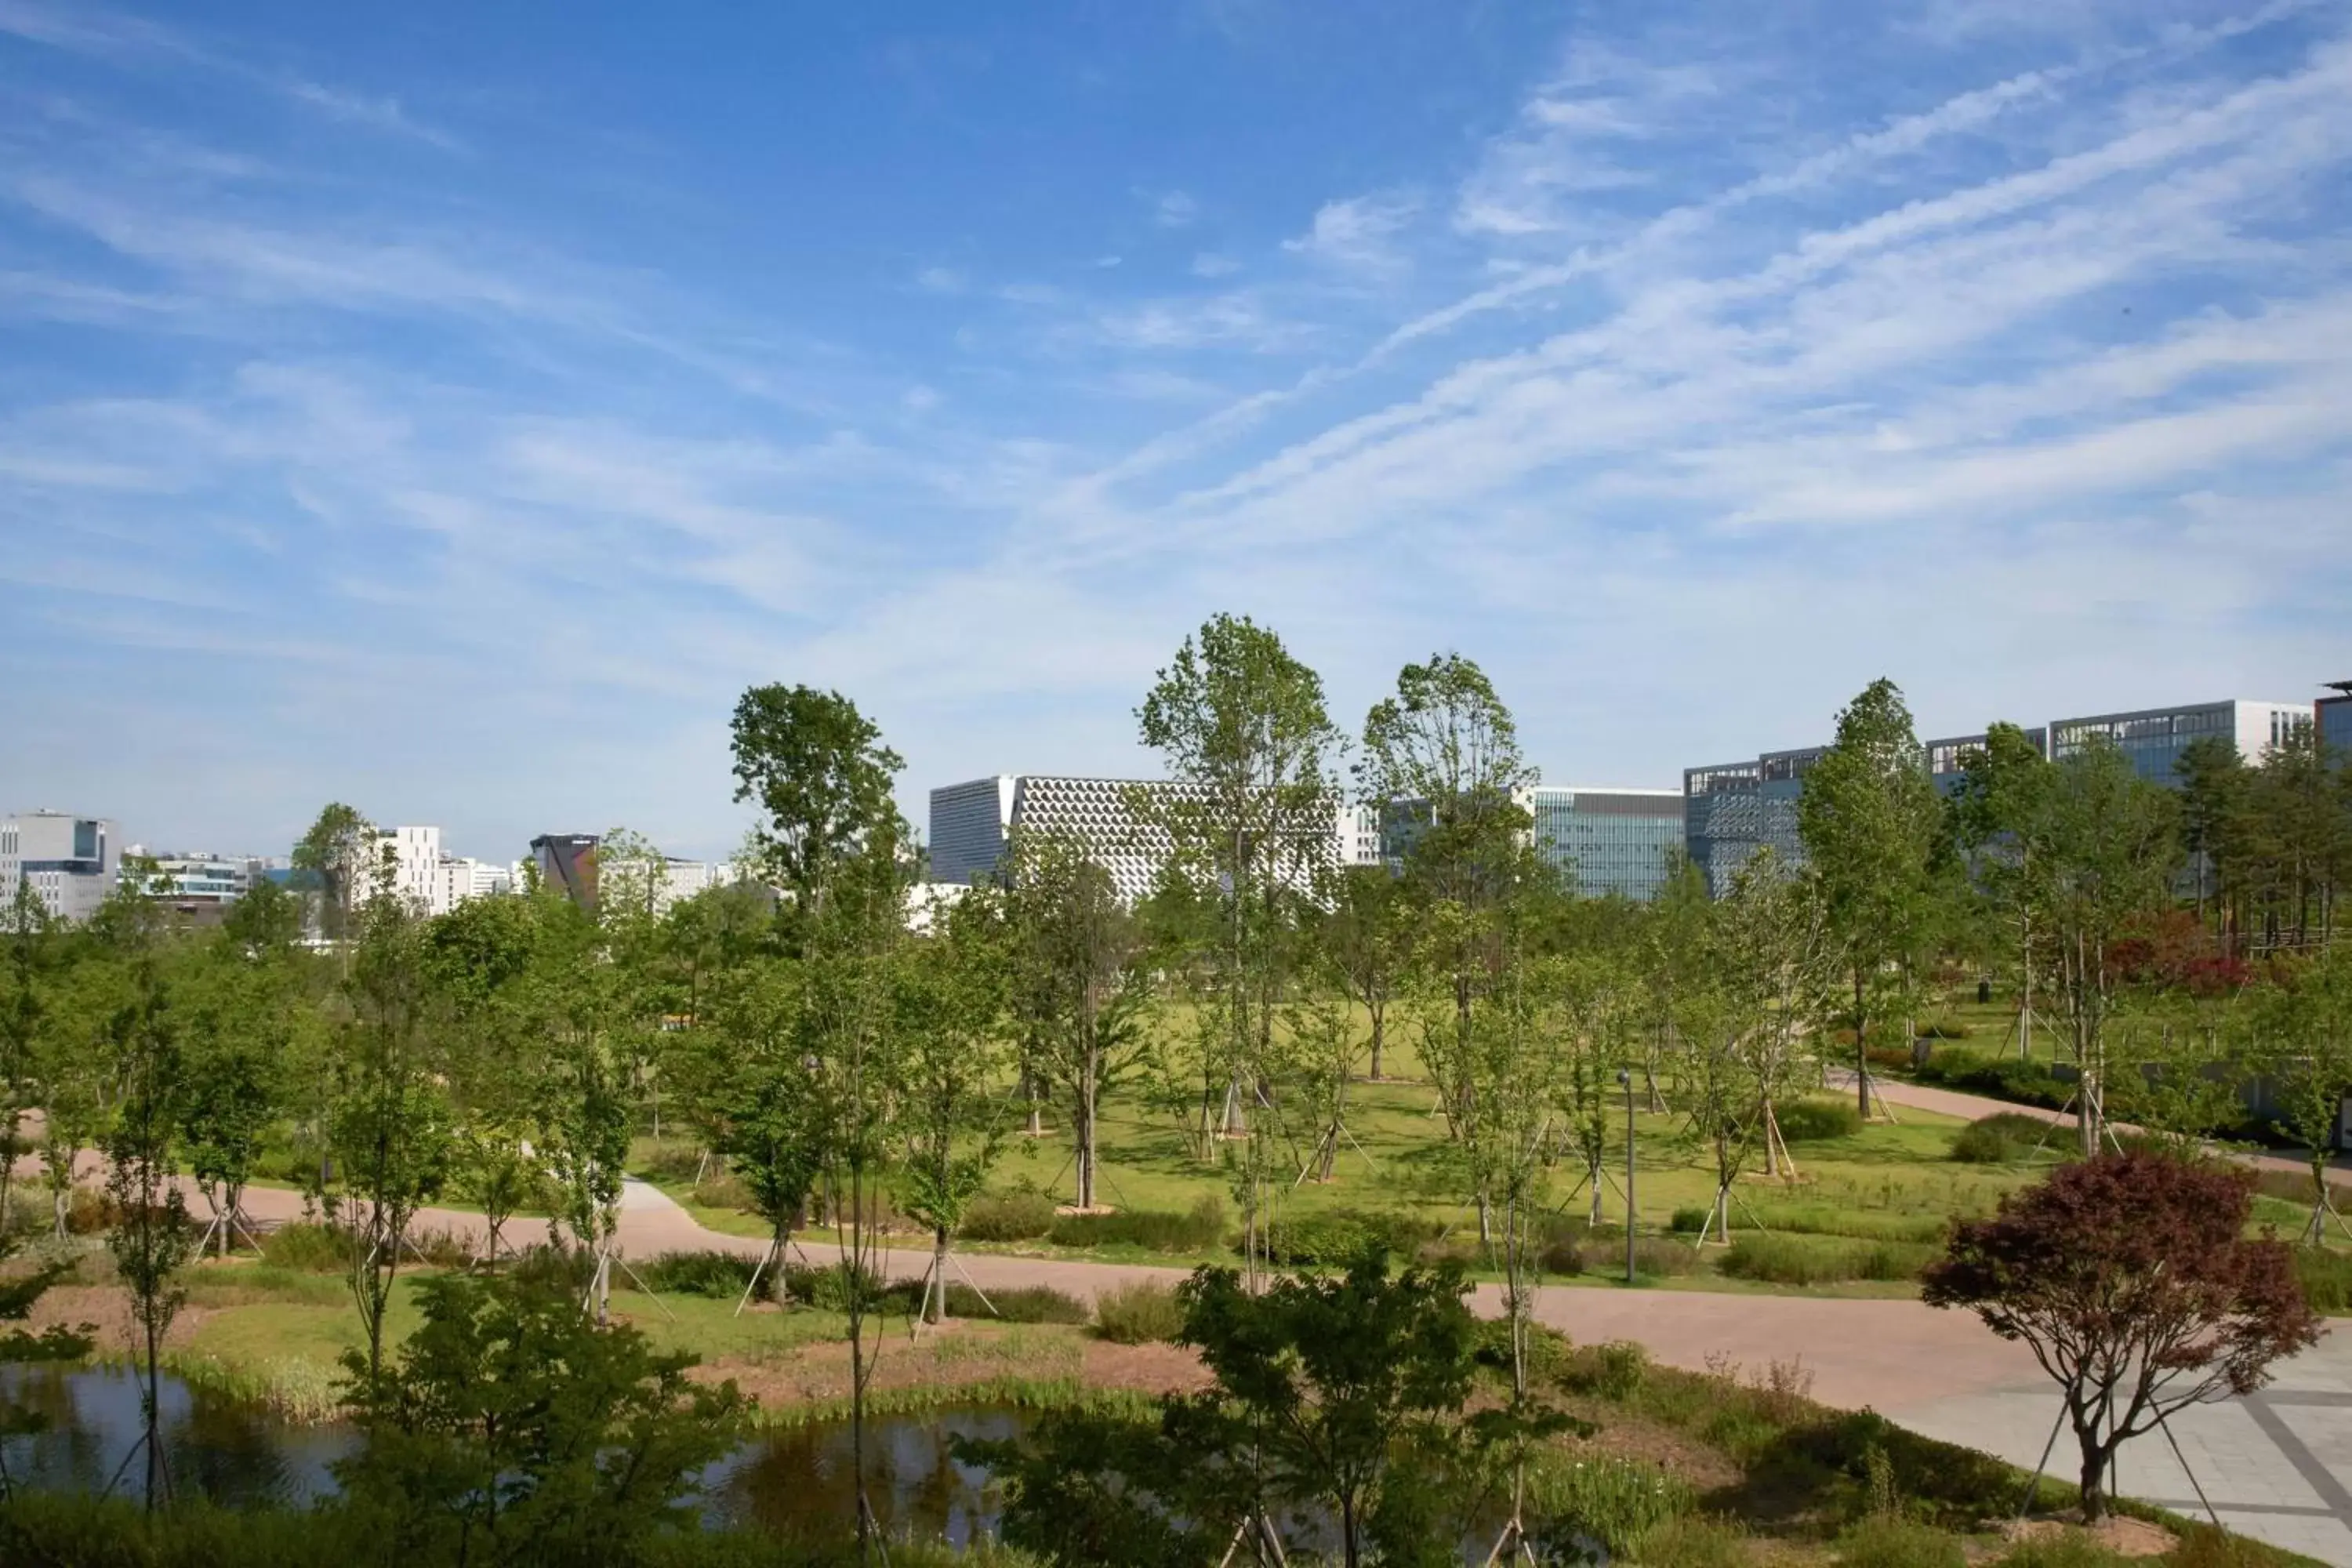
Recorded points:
(308, 1247)
(1615, 1370)
(87, 1212)
(1655, 1257)
(1814, 1121)
(1611, 1500)
(1143, 1311)
(667, 1162)
(1690, 1219)
(1007, 1216)
(1336, 1237)
(723, 1189)
(1789, 1260)
(721, 1276)
(1017, 1304)
(1887, 1542)
(1694, 1543)
(442, 1248)
(1445, 1249)
(2004, 1138)
(2326, 1278)
(558, 1268)
(1154, 1229)
(826, 1286)
(1944, 1029)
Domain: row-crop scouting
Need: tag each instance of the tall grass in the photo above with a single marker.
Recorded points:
(1796, 1260)
(1156, 1230)
(1616, 1501)
(1139, 1313)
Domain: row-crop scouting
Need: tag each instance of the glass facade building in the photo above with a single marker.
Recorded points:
(2154, 738)
(1610, 841)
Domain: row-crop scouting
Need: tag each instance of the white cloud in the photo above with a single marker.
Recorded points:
(1175, 210)
(1358, 233)
(939, 280)
(1210, 264)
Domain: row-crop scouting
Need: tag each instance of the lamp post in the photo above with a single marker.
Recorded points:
(1625, 1082)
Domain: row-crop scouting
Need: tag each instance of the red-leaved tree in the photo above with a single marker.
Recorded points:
(2131, 1279)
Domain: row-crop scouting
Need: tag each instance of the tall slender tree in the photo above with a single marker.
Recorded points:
(1869, 819)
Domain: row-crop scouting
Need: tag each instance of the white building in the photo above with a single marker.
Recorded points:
(464, 879)
(412, 856)
(71, 862)
(200, 883)
(973, 823)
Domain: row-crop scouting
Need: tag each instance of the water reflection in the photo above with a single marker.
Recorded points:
(802, 1482)
(213, 1445)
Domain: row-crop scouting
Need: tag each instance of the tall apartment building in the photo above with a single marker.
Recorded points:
(412, 856)
(1735, 808)
(1620, 841)
(973, 823)
(71, 862)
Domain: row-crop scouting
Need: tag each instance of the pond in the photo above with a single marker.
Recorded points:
(794, 1481)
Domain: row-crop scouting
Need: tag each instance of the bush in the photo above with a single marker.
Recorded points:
(2326, 1278)
(441, 1249)
(1007, 1216)
(2004, 1138)
(1655, 1257)
(1334, 1237)
(1155, 1230)
(1789, 1260)
(826, 1286)
(1612, 1371)
(720, 1275)
(1690, 1219)
(668, 1161)
(307, 1247)
(1814, 1121)
(2028, 1083)
(557, 1268)
(1142, 1313)
(1017, 1304)
(1944, 1029)
(723, 1189)
(1611, 1500)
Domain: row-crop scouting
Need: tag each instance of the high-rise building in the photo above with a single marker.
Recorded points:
(973, 824)
(1620, 841)
(412, 856)
(69, 861)
(1731, 810)
(566, 863)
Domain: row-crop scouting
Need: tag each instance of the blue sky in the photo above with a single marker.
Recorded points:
(451, 408)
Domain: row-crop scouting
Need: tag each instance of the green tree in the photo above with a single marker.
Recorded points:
(1999, 818)
(511, 1431)
(2305, 1025)
(821, 777)
(1078, 994)
(480, 960)
(2214, 787)
(242, 1006)
(339, 854)
(2102, 849)
(150, 1241)
(1870, 820)
(23, 979)
(758, 1097)
(389, 1124)
(1369, 938)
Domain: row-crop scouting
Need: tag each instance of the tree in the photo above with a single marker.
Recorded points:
(339, 853)
(151, 1240)
(2130, 1278)
(2306, 1024)
(242, 1008)
(757, 1095)
(821, 776)
(389, 1122)
(951, 991)
(1327, 1376)
(1869, 819)
(25, 928)
(1249, 744)
(1998, 815)
(2102, 851)
(1369, 937)
(1077, 997)
(480, 960)
(2214, 784)
(1441, 763)
(511, 1431)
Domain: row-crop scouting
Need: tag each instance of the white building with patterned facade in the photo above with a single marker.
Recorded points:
(973, 824)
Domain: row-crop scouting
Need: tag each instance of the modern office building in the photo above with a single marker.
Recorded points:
(2333, 715)
(2154, 738)
(566, 863)
(70, 862)
(412, 857)
(1734, 808)
(199, 886)
(973, 824)
(1620, 841)
(464, 877)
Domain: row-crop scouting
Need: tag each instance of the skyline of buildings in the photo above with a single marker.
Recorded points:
(1612, 840)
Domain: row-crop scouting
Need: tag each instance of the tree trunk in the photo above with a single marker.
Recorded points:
(1861, 1049)
(1085, 1160)
(1378, 1031)
(2095, 1484)
(938, 1304)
